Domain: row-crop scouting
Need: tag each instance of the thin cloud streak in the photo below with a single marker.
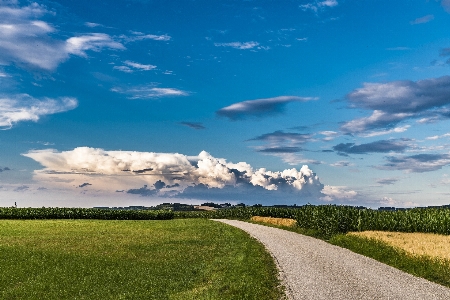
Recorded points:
(259, 107)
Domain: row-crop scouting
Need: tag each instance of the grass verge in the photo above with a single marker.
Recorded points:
(94, 259)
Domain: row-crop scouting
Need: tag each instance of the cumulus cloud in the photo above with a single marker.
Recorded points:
(238, 45)
(396, 101)
(422, 20)
(167, 174)
(259, 107)
(29, 42)
(149, 92)
(382, 146)
(419, 163)
(193, 125)
(18, 108)
(337, 193)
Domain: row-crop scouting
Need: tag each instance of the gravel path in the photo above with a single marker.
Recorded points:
(313, 269)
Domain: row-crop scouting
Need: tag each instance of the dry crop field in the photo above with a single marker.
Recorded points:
(427, 244)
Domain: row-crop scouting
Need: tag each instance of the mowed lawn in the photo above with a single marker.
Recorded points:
(173, 259)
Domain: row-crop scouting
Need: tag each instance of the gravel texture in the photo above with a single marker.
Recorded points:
(313, 269)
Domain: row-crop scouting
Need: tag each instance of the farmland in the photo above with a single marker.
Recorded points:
(98, 259)
(190, 233)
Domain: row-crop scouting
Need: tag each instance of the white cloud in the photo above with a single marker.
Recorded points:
(337, 193)
(94, 41)
(329, 135)
(342, 163)
(389, 131)
(149, 92)
(132, 66)
(139, 36)
(171, 172)
(328, 3)
(422, 20)
(238, 45)
(438, 136)
(92, 25)
(123, 69)
(26, 40)
(315, 6)
(446, 5)
(295, 159)
(390, 202)
(26, 108)
(139, 66)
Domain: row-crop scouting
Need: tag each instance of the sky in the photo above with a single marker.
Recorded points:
(140, 102)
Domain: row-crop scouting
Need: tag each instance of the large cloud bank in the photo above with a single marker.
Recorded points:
(169, 174)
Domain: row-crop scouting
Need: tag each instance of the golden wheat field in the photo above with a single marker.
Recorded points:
(429, 244)
(275, 221)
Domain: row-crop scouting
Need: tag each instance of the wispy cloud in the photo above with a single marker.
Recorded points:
(398, 48)
(396, 101)
(149, 92)
(139, 36)
(238, 45)
(285, 145)
(382, 146)
(132, 66)
(388, 131)
(436, 137)
(446, 5)
(93, 41)
(193, 125)
(315, 6)
(387, 181)
(278, 137)
(341, 163)
(422, 20)
(419, 163)
(259, 107)
(18, 108)
(29, 42)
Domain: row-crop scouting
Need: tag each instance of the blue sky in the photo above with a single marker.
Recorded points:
(142, 102)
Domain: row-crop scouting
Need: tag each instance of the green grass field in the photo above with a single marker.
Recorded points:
(173, 259)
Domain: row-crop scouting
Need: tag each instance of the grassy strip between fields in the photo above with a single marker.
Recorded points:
(98, 259)
(433, 269)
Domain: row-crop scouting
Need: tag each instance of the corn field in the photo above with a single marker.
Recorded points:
(326, 219)
(332, 219)
(83, 213)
